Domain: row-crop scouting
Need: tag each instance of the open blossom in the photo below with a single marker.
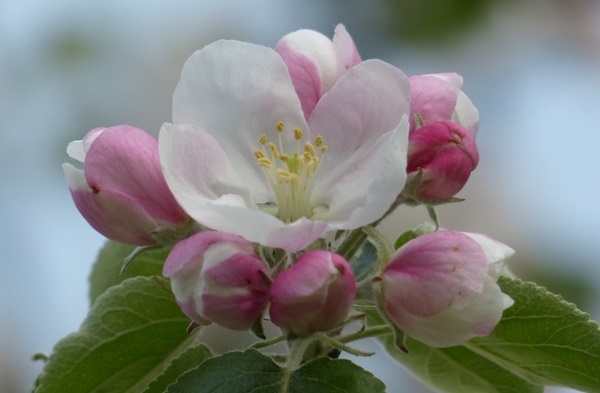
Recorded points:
(241, 157)
(315, 62)
(121, 190)
(216, 277)
(440, 288)
(314, 294)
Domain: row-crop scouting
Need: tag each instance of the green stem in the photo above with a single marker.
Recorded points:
(297, 350)
(352, 243)
(368, 332)
(268, 343)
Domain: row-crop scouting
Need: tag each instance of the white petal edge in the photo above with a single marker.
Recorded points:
(236, 92)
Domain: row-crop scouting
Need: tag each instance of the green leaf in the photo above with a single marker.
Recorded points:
(364, 261)
(457, 369)
(452, 370)
(105, 272)
(128, 339)
(544, 338)
(540, 340)
(325, 375)
(404, 238)
(251, 371)
(188, 360)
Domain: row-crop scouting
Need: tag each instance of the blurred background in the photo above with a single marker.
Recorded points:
(531, 67)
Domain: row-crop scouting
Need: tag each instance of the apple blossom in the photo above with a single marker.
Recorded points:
(240, 156)
(438, 97)
(441, 157)
(440, 288)
(216, 277)
(314, 294)
(315, 62)
(121, 190)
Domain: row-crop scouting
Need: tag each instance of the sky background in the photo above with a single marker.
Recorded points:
(531, 67)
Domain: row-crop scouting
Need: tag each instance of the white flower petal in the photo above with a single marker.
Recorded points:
(196, 168)
(361, 191)
(228, 214)
(363, 120)
(455, 327)
(236, 92)
(75, 151)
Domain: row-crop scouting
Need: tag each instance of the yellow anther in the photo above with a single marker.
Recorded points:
(271, 146)
(298, 133)
(290, 173)
(283, 175)
(264, 162)
(309, 148)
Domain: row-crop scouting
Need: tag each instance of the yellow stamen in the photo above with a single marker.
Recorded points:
(290, 173)
(298, 134)
(265, 162)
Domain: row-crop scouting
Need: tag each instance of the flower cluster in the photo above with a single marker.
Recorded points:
(274, 164)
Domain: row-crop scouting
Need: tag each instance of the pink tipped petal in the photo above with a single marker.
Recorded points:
(185, 251)
(131, 156)
(451, 77)
(314, 294)
(312, 64)
(433, 99)
(216, 277)
(351, 117)
(115, 216)
(456, 326)
(366, 133)
(237, 91)
(261, 227)
(305, 76)
(436, 271)
(345, 50)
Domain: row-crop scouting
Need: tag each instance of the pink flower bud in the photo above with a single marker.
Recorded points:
(446, 153)
(217, 277)
(314, 294)
(438, 97)
(440, 288)
(315, 62)
(121, 191)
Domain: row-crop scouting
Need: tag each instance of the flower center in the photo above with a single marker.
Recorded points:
(290, 174)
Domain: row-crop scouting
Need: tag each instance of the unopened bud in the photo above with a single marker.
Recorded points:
(216, 277)
(314, 294)
(440, 288)
(441, 157)
(121, 190)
